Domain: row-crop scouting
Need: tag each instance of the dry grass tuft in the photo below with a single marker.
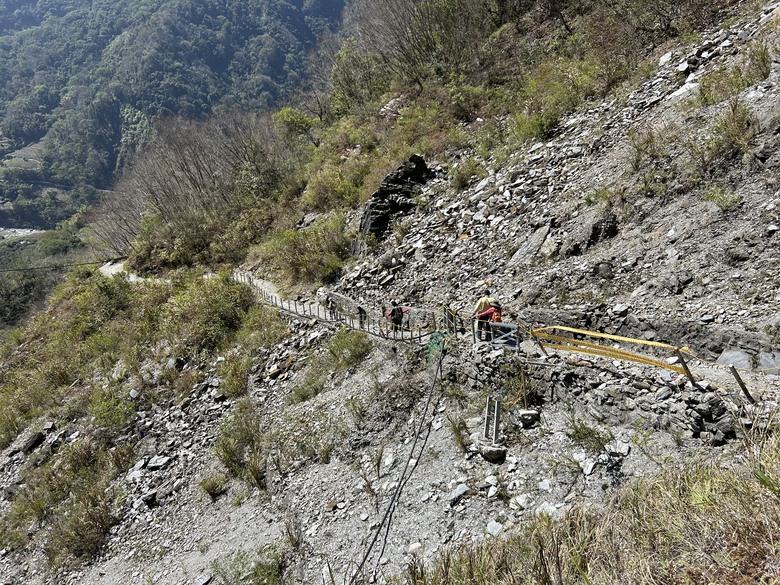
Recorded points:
(706, 523)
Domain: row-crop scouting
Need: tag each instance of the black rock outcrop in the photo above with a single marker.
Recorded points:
(395, 196)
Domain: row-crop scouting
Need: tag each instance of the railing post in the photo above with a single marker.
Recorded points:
(685, 368)
(741, 383)
(496, 419)
(486, 425)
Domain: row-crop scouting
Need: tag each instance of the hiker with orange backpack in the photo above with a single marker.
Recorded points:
(493, 314)
(483, 304)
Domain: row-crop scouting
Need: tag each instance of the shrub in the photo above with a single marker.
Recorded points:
(357, 78)
(348, 348)
(312, 254)
(109, 410)
(465, 101)
(241, 445)
(732, 133)
(82, 526)
(460, 432)
(335, 186)
(551, 90)
(215, 485)
(71, 493)
(468, 169)
(235, 373)
(721, 84)
(734, 130)
(261, 327)
(207, 312)
(644, 148)
(297, 126)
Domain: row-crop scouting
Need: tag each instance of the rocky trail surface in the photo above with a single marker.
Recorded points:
(573, 231)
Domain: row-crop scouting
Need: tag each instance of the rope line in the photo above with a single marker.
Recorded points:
(406, 473)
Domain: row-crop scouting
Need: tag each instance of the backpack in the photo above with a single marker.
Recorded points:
(397, 314)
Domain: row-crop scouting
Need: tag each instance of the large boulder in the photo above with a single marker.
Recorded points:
(395, 196)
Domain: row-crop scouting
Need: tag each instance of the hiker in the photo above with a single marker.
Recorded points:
(492, 314)
(396, 315)
(362, 316)
(331, 306)
(483, 323)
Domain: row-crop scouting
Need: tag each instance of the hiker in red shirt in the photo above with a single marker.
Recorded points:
(492, 314)
(483, 304)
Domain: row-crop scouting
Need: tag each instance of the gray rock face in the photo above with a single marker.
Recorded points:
(769, 361)
(525, 255)
(736, 358)
(394, 197)
(35, 441)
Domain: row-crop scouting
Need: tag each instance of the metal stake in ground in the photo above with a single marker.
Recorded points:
(685, 368)
(738, 378)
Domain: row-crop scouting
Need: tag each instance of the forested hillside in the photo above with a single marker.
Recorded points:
(82, 82)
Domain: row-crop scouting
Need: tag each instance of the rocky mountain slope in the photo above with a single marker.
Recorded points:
(653, 215)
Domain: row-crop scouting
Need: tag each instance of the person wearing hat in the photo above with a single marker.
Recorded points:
(492, 314)
(483, 304)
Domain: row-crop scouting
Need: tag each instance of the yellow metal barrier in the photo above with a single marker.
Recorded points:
(573, 345)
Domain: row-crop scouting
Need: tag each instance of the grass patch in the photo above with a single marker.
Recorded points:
(215, 485)
(697, 524)
(348, 348)
(724, 198)
(313, 381)
(589, 438)
(726, 83)
(234, 372)
(73, 496)
(261, 327)
(730, 136)
(460, 432)
(265, 567)
(242, 446)
(468, 169)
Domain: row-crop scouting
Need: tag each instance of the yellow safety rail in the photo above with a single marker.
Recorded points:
(573, 345)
